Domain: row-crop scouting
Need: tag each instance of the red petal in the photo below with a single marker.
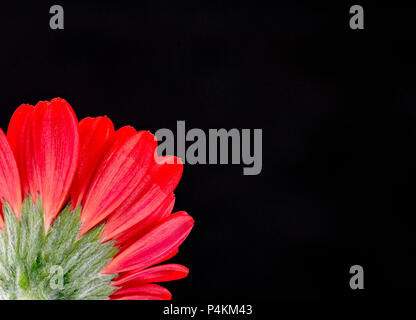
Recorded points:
(154, 245)
(168, 255)
(144, 292)
(144, 200)
(166, 172)
(10, 189)
(20, 139)
(120, 172)
(165, 257)
(94, 134)
(166, 272)
(55, 153)
(149, 220)
(1, 221)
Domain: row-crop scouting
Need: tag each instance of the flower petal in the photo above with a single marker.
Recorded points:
(144, 200)
(94, 135)
(149, 220)
(168, 255)
(19, 135)
(167, 171)
(120, 172)
(144, 292)
(166, 272)
(55, 153)
(149, 249)
(10, 189)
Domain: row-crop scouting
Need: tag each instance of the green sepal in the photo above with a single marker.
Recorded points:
(56, 265)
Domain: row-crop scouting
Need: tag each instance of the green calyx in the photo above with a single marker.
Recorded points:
(56, 265)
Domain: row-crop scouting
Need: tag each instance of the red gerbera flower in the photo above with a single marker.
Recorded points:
(86, 209)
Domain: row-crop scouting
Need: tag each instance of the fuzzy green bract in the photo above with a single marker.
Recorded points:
(53, 266)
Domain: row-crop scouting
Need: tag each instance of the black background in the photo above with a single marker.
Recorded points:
(337, 108)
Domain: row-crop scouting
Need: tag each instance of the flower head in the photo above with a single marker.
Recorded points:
(87, 200)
